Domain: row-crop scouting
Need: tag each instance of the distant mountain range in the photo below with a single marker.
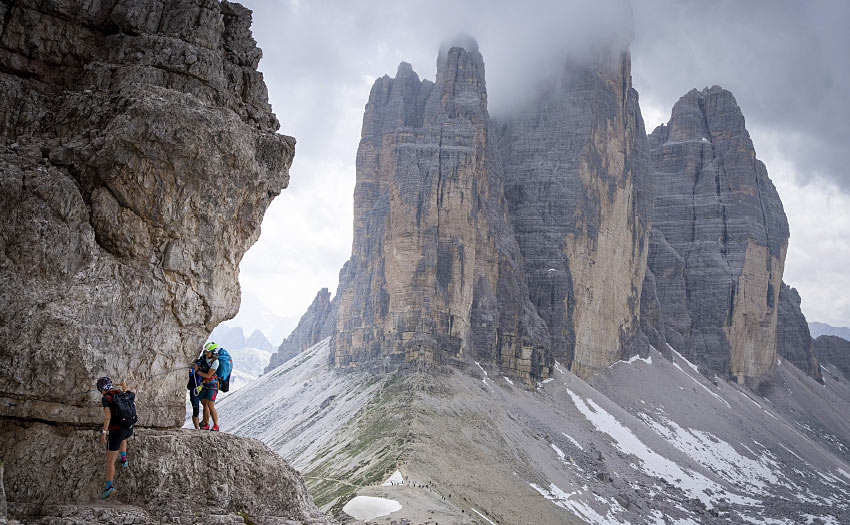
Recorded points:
(255, 316)
(819, 329)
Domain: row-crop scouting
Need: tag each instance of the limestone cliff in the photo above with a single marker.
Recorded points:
(793, 340)
(138, 154)
(719, 258)
(435, 275)
(313, 326)
(580, 201)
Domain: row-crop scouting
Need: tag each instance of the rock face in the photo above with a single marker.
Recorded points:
(435, 275)
(575, 164)
(138, 154)
(720, 252)
(242, 477)
(512, 244)
(793, 340)
(834, 350)
(312, 328)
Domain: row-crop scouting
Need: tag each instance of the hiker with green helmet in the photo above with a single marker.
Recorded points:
(206, 369)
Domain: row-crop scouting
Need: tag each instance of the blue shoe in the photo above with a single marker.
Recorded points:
(108, 492)
(124, 463)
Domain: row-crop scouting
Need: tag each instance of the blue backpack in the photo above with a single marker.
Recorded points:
(225, 367)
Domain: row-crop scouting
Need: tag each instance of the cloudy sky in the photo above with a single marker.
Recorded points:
(786, 62)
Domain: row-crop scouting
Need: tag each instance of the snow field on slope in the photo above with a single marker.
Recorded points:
(572, 502)
(720, 457)
(692, 483)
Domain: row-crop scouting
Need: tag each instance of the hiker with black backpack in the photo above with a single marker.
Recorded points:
(207, 369)
(119, 416)
(194, 386)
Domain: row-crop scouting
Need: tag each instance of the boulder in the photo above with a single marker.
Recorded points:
(171, 474)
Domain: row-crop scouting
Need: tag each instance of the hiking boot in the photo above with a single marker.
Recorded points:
(124, 463)
(108, 492)
(205, 426)
(215, 428)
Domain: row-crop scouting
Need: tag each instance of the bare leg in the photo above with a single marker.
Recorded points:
(195, 422)
(206, 419)
(213, 412)
(123, 447)
(110, 464)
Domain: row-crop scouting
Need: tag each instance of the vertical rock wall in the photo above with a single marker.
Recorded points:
(579, 198)
(793, 340)
(138, 154)
(719, 256)
(313, 326)
(435, 275)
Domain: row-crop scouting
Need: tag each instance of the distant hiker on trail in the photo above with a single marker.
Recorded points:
(207, 370)
(194, 386)
(119, 416)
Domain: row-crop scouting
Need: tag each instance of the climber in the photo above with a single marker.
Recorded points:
(194, 387)
(116, 429)
(206, 369)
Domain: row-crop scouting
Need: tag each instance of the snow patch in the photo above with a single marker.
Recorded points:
(693, 483)
(695, 380)
(506, 378)
(750, 475)
(828, 519)
(396, 478)
(486, 377)
(365, 508)
(634, 358)
(483, 516)
(576, 443)
(561, 455)
(578, 507)
(680, 356)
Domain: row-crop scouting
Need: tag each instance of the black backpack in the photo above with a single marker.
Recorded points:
(125, 408)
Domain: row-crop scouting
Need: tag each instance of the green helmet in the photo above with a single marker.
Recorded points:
(211, 347)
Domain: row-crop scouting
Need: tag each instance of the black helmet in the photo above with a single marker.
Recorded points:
(104, 383)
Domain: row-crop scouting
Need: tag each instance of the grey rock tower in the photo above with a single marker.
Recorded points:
(719, 252)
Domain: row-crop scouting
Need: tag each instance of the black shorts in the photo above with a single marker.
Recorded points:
(115, 437)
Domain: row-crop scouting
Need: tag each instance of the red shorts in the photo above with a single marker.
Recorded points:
(208, 393)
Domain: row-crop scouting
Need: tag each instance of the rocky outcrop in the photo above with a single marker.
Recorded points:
(435, 276)
(313, 326)
(138, 154)
(793, 340)
(835, 351)
(221, 476)
(575, 164)
(719, 258)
